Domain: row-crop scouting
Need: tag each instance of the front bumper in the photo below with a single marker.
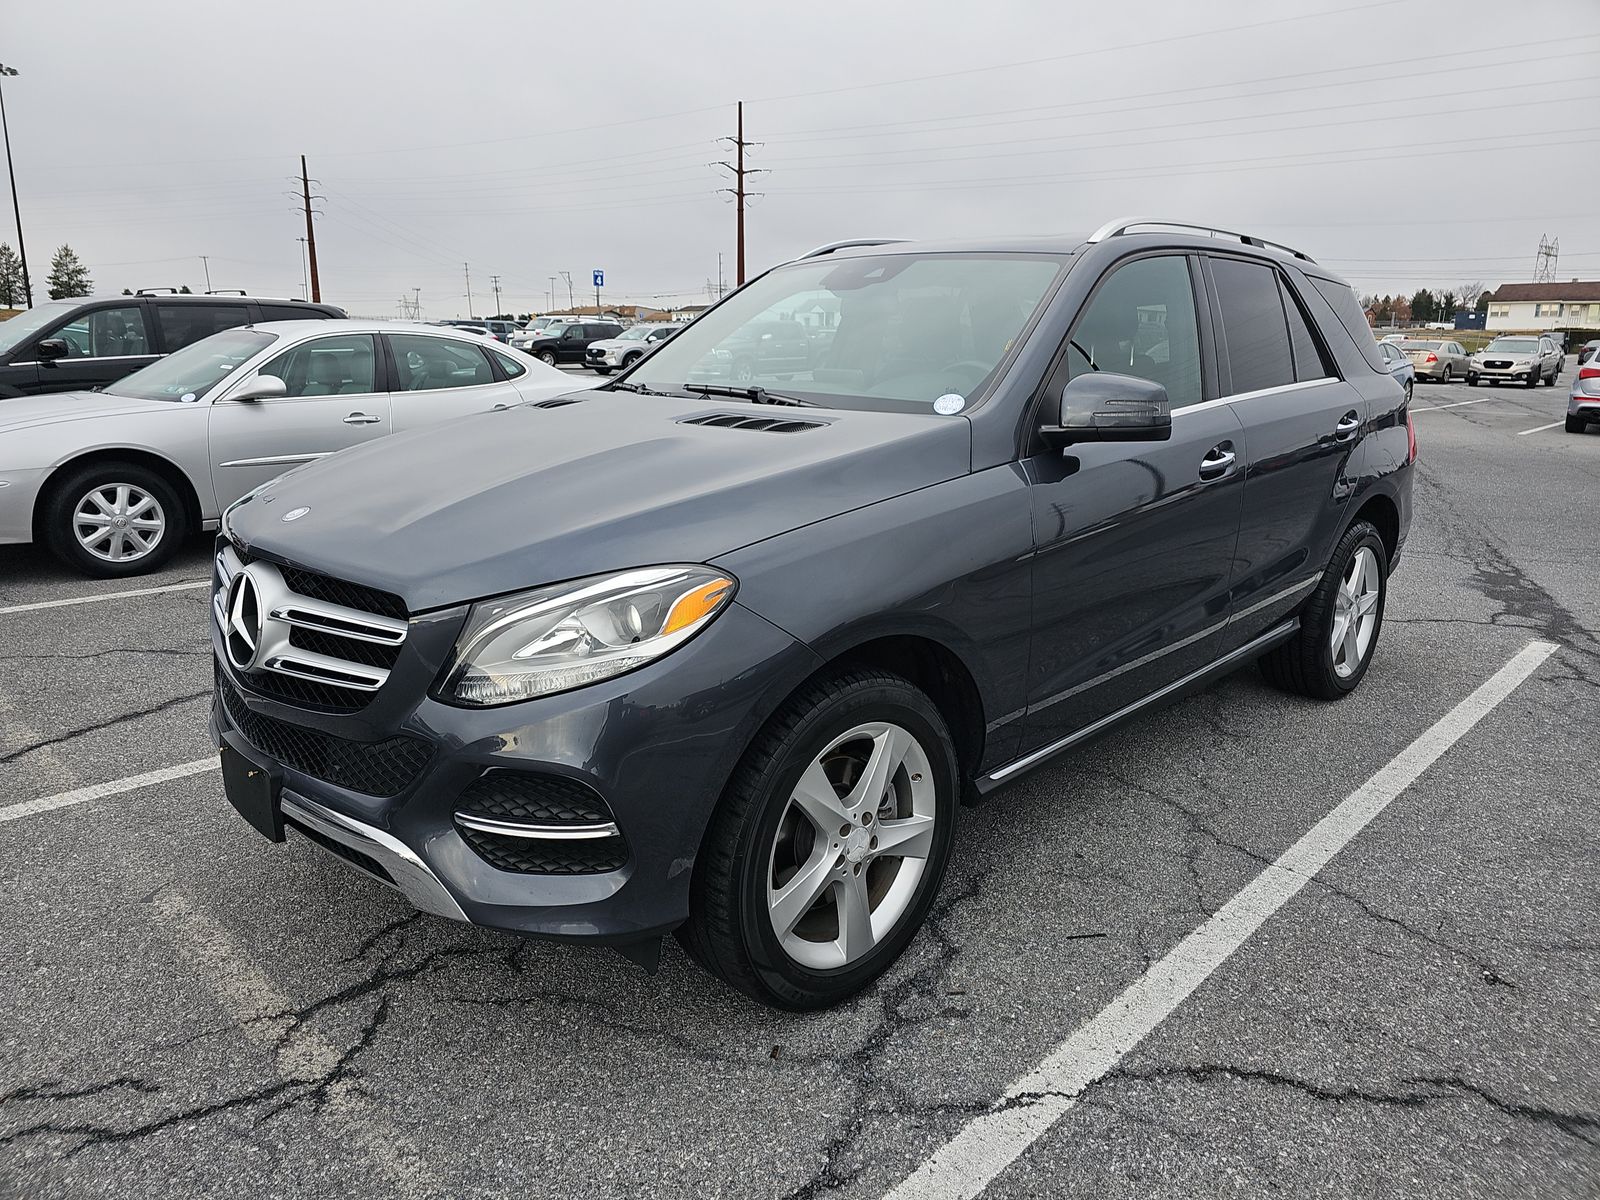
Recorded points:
(656, 745)
(1514, 374)
(19, 493)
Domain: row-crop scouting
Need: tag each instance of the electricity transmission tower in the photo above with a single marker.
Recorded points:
(1544, 265)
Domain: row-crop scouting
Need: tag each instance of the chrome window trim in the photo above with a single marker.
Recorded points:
(555, 833)
(276, 460)
(1282, 388)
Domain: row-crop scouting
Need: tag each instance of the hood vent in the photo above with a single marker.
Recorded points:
(558, 402)
(753, 424)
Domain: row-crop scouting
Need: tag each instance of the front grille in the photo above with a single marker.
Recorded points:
(351, 595)
(383, 768)
(531, 856)
(1497, 364)
(325, 697)
(348, 648)
(530, 799)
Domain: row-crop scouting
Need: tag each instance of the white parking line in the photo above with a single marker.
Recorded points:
(99, 791)
(153, 591)
(1540, 428)
(986, 1145)
(1457, 404)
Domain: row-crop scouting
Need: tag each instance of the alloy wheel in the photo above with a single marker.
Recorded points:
(1355, 612)
(118, 522)
(851, 846)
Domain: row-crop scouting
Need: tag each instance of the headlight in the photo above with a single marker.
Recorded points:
(553, 639)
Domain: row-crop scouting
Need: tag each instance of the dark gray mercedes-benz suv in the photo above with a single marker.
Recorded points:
(723, 658)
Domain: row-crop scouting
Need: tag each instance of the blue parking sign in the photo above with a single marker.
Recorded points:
(599, 279)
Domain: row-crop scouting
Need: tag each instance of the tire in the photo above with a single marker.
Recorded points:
(601, 370)
(547, 357)
(1307, 663)
(744, 371)
(1408, 392)
(1532, 380)
(1551, 382)
(1445, 378)
(630, 359)
(74, 493)
(1576, 424)
(1472, 380)
(760, 832)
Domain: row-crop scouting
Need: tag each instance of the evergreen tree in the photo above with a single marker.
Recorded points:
(68, 276)
(127, 291)
(12, 293)
(184, 291)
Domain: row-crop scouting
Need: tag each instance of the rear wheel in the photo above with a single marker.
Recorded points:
(548, 357)
(1339, 623)
(828, 847)
(114, 519)
(1576, 424)
(1445, 378)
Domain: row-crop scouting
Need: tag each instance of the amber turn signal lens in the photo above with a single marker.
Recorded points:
(692, 606)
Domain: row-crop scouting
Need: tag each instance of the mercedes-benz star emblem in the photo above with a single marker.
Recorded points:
(243, 634)
(294, 514)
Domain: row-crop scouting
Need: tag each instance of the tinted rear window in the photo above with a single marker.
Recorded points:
(1253, 325)
(1348, 309)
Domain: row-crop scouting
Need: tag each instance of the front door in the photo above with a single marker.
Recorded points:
(335, 399)
(1134, 541)
(103, 345)
(440, 378)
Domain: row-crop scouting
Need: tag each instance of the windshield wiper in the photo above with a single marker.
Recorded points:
(624, 386)
(752, 393)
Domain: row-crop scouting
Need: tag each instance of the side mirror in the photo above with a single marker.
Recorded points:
(262, 387)
(1106, 407)
(53, 348)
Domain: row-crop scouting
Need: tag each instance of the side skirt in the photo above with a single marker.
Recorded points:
(1277, 634)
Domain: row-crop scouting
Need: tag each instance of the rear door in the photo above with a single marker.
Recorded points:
(1134, 540)
(1300, 424)
(439, 378)
(336, 398)
(103, 345)
(183, 324)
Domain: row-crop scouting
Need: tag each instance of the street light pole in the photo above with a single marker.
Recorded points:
(205, 262)
(571, 303)
(16, 208)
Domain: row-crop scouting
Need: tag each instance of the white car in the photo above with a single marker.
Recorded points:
(113, 481)
(628, 347)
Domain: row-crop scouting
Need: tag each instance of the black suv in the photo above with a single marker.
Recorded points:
(721, 659)
(75, 345)
(568, 343)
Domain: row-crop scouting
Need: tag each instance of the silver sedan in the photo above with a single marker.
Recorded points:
(113, 481)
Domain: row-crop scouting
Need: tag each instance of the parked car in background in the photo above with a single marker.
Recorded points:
(569, 343)
(539, 327)
(113, 481)
(1438, 360)
(76, 345)
(1588, 350)
(724, 661)
(1398, 365)
(628, 347)
(1518, 358)
(1394, 338)
(779, 349)
(1558, 337)
(1583, 405)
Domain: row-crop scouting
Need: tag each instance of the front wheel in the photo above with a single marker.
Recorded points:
(1532, 380)
(1472, 380)
(1550, 382)
(829, 845)
(114, 519)
(1339, 624)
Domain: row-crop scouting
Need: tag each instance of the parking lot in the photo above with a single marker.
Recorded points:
(191, 1011)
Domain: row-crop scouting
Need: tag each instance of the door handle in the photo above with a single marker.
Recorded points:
(361, 418)
(1219, 461)
(1349, 425)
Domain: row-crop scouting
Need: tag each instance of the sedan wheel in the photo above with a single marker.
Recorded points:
(829, 845)
(119, 522)
(114, 519)
(1446, 377)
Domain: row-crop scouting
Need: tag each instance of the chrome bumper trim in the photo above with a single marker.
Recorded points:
(554, 833)
(411, 876)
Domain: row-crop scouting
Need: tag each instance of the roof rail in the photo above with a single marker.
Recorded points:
(1121, 226)
(156, 291)
(830, 247)
(227, 292)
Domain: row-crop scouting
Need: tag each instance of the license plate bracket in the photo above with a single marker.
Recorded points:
(253, 787)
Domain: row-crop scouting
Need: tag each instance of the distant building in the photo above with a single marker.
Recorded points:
(611, 312)
(1573, 305)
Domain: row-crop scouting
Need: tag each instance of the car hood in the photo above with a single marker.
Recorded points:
(54, 408)
(614, 343)
(507, 500)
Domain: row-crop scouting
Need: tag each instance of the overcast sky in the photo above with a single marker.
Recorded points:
(1407, 143)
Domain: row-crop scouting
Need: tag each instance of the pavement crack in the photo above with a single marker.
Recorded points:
(57, 1089)
(110, 723)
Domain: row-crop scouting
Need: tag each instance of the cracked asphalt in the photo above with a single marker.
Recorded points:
(190, 1011)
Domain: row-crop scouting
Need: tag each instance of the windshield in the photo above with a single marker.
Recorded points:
(190, 373)
(535, 325)
(637, 334)
(1515, 345)
(893, 332)
(22, 326)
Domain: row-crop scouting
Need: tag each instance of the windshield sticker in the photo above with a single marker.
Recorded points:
(949, 404)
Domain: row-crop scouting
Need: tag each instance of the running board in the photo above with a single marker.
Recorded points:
(1277, 634)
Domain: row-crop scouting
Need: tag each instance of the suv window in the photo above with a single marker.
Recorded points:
(332, 366)
(185, 324)
(1253, 325)
(1141, 322)
(1348, 309)
(105, 333)
(1309, 360)
(428, 364)
(291, 312)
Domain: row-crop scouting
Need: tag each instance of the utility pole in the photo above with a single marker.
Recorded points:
(205, 262)
(738, 191)
(467, 267)
(16, 208)
(305, 279)
(552, 279)
(311, 233)
(494, 281)
(571, 303)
